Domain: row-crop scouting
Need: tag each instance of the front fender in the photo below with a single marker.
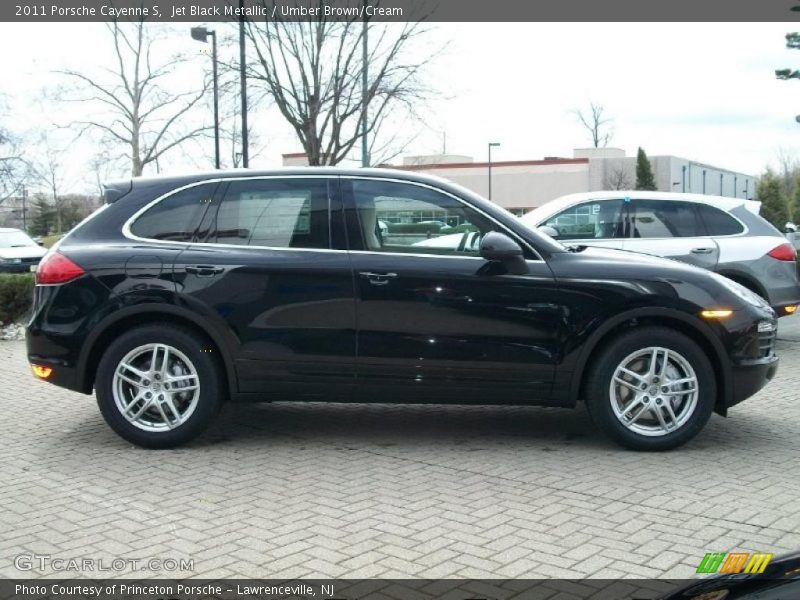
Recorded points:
(698, 329)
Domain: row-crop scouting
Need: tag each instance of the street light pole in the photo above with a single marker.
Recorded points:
(491, 145)
(364, 90)
(243, 81)
(201, 35)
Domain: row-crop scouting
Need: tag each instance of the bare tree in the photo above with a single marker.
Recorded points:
(598, 125)
(49, 172)
(14, 167)
(140, 112)
(230, 122)
(312, 71)
(618, 178)
(105, 166)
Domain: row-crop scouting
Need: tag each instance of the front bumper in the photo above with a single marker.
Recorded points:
(749, 379)
(17, 267)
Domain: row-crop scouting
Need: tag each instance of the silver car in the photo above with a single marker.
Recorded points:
(725, 235)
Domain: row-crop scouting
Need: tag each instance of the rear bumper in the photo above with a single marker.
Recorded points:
(785, 310)
(749, 379)
(781, 283)
(62, 375)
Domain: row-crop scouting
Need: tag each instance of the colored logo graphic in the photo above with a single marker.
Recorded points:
(734, 562)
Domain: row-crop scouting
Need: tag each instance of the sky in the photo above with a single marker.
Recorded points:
(706, 92)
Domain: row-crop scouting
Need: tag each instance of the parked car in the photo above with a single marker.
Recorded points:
(725, 235)
(182, 293)
(18, 252)
(790, 231)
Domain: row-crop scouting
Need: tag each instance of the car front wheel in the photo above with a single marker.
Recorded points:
(158, 386)
(651, 388)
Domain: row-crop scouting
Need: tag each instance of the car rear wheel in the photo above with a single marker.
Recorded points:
(158, 386)
(651, 388)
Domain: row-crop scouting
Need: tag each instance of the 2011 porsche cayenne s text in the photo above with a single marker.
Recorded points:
(349, 285)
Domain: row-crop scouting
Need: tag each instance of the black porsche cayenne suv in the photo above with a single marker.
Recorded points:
(375, 285)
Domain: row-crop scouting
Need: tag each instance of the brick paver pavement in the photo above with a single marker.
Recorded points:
(301, 490)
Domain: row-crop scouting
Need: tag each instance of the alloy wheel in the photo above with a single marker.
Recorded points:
(156, 387)
(654, 391)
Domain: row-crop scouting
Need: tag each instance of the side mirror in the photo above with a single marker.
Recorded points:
(498, 247)
(551, 231)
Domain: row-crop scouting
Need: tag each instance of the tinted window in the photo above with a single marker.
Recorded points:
(661, 219)
(177, 216)
(400, 217)
(719, 222)
(595, 219)
(279, 213)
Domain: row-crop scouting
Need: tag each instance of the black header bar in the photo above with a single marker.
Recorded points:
(403, 10)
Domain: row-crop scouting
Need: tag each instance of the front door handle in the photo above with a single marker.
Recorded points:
(377, 278)
(204, 270)
(702, 250)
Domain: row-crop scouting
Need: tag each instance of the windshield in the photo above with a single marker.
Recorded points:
(15, 239)
(531, 226)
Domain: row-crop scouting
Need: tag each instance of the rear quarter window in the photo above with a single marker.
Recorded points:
(176, 217)
(718, 222)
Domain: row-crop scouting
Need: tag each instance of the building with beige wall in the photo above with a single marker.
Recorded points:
(520, 185)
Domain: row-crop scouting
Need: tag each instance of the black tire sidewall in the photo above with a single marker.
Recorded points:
(598, 400)
(195, 348)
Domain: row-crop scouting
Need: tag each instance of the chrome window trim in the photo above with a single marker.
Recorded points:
(126, 227)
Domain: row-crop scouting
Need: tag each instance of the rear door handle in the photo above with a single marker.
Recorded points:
(702, 250)
(377, 278)
(204, 270)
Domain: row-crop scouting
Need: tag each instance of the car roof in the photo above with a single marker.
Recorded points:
(722, 202)
(9, 230)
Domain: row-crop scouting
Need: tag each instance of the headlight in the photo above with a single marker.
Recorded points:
(740, 291)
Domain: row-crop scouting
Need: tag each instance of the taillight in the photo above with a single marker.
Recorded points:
(783, 252)
(57, 268)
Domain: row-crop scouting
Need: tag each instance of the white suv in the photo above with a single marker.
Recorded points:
(725, 235)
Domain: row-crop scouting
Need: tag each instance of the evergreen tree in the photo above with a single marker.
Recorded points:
(774, 203)
(43, 217)
(644, 172)
(794, 201)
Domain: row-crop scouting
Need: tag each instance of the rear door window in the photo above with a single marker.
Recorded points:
(662, 219)
(275, 213)
(719, 222)
(176, 217)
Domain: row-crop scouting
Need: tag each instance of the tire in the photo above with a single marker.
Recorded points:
(190, 388)
(609, 405)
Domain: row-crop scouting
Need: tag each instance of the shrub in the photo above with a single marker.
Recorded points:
(16, 295)
(463, 228)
